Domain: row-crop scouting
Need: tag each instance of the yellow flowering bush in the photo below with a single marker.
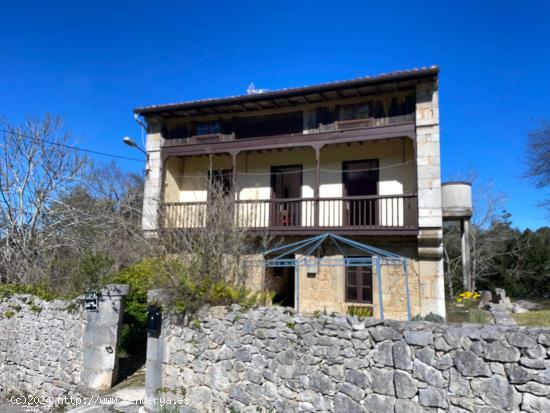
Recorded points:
(468, 297)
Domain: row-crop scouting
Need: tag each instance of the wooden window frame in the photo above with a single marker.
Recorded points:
(209, 132)
(359, 284)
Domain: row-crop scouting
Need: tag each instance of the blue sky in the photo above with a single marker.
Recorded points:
(93, 62)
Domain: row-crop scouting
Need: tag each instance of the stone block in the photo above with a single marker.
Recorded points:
(497, 392)
(433, 397)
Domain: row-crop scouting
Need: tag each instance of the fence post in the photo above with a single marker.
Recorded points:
(154, 359)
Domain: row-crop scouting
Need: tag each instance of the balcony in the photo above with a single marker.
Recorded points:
(339, 129)
(368, 215)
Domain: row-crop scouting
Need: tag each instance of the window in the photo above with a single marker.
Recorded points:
(352, 112)
(207, 128)
(387, 106)
(279, 124)
(359, 284)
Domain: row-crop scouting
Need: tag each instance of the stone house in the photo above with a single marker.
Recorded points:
(358, 158)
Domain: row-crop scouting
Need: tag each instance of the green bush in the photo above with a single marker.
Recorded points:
(8, 290)
(476, 316)
(91, 271)
(187, 290)
(8, 313)
(185, 293)
(190, 295)
(359, 312)
(140, 277)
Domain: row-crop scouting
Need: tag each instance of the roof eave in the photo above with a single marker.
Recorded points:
(380, 79)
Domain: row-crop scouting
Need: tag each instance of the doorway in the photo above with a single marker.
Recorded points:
(282, 283)
(360, 179)
(286, 188)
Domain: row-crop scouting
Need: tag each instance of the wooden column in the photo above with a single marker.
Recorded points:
(317, 184)
(466, 266)
(234, 192)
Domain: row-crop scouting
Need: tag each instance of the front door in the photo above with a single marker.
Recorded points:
(360, 179)
(286, 191)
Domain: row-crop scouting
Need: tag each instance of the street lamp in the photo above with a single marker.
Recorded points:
(130, 142)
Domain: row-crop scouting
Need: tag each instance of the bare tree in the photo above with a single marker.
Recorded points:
(65, 222)
(68, 224)
(538, 158)
(97, 227)
(36, 169)
(207, 243)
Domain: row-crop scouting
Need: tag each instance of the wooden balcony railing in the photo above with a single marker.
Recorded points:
(359, 212)
(342, 125)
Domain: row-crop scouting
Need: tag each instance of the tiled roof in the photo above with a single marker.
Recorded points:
(281, 93)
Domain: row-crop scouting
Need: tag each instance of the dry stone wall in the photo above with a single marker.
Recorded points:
(271, 359)
(40, 345)
(51, 349)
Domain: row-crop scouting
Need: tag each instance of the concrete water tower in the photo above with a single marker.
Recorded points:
(456, 200)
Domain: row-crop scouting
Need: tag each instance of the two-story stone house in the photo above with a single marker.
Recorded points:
(358, 158)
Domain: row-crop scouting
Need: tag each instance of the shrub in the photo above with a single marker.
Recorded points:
(187, 290)
(140, 277)
(36, 309)
(360, 312)
(468, 298)
(476, 316)
(8, 313)
(91, 272)
(8, 290)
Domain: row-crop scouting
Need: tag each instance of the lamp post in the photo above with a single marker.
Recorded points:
(130, 142)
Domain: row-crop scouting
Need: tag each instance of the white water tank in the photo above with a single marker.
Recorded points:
(456, 200)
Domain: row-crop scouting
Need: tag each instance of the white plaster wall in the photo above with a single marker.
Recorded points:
(397, 176)
(254, 182)
(194, 180)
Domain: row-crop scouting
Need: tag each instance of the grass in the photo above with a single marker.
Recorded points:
(535, 318)
(540, 318)
(457, 314)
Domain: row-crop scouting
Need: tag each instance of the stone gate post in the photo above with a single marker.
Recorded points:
(102, 337)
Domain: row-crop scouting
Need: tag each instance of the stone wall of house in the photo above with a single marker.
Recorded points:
(322, 287)
(271, 359)
(152, 191)
(428, 170)
(41, 345)
(55, 348)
